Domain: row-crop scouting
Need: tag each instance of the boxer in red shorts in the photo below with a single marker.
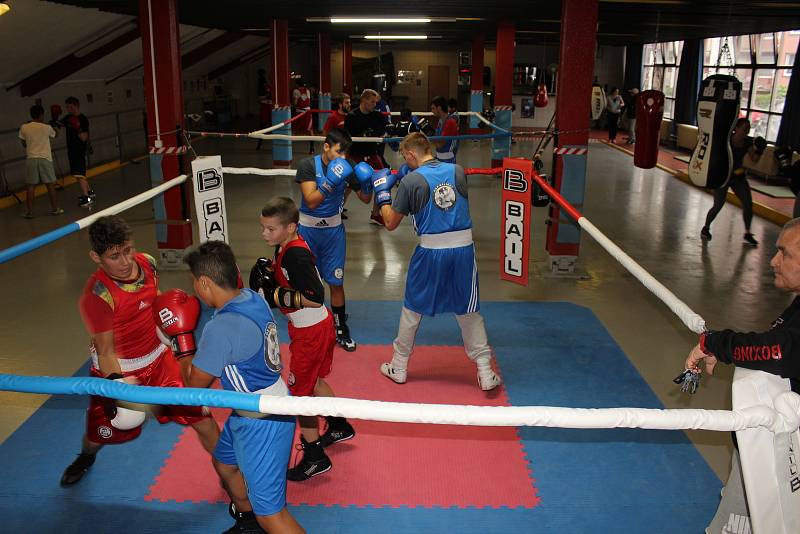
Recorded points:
(116, 309)
(292, 284)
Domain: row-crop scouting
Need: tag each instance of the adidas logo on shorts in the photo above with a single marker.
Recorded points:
(321, 224)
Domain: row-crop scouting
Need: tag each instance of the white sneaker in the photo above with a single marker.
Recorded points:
(395, 374)
(488, 381)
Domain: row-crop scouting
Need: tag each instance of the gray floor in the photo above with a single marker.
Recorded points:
(651, 215)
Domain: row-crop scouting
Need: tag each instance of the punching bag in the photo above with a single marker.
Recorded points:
(598, 102)
(649, 111)
(717, 112)
(541, 96)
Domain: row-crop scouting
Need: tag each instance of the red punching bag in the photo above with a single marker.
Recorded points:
(541, 96)
(649, 111)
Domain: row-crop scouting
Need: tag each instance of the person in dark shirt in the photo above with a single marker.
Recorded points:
(741, 144)
(291, 282)
(77, 127)
(365, 121)
(775, 351)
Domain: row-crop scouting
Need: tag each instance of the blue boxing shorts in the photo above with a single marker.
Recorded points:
(261, 448)
(328, 247)
(442, 280)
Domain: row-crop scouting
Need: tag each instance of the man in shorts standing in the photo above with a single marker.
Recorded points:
(35, 137)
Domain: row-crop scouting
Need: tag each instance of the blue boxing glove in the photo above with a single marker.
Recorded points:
(402, 171)
(338, 171)
(382, 183)
(364, 175)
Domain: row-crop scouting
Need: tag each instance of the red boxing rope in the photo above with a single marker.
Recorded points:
(555, 195)
(493, 170)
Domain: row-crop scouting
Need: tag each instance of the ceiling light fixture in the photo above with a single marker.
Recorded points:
(386, 37)
(339, 20)
(4, 8)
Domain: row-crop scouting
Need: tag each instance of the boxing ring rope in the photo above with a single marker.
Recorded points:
(784, 418)
(689, 317)
(39, 241)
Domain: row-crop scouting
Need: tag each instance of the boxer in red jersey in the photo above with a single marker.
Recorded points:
(116, 309)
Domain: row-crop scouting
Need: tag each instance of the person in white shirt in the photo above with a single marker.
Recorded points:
(35, 136)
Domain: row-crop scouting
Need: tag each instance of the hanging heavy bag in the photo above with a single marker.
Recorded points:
(717, 112)
(598, 102)
(649, 111)
(541, 96)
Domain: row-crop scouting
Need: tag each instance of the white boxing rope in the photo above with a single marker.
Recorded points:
(783, 418)
(691, 319)
(262, 172)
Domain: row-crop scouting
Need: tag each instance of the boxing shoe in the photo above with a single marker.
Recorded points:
(488, 380)
(338, 430)
(394, 373)
(85, 201)
(343, 338)
(314, 462)
(75, 471)
(246, 522)
(750, 240)
(705, 233)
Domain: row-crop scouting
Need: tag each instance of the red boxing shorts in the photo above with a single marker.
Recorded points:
(163, 372)
(312, 355)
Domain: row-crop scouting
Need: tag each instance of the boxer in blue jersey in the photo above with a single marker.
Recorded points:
(323, 180)
(442, 275)
(239, 345)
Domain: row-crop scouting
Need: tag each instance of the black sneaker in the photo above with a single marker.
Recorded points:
(307, 468)
(705, 233)
(246, 522)
(75, 471)
(92, 194)
(85, 201)
(750, 240)
(342, 432)
(343, 337)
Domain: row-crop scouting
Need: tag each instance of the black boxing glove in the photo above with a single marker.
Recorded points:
(262, 277)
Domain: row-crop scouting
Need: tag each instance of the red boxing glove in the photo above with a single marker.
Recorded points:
(176, 315)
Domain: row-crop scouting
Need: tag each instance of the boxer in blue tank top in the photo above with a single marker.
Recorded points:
(447, 125)
(442, 276)
(321, 220)
(239, 345)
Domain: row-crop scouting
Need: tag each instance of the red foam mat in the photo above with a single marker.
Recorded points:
(391, 464)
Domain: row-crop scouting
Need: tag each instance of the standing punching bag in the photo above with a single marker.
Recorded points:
(598, 102)
(541, 96)
(649, 111)
(717, 112)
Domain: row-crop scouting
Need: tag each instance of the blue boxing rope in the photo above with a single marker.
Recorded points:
(783, 418)
(19, 249)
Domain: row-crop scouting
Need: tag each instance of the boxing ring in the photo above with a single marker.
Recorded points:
(779, 415)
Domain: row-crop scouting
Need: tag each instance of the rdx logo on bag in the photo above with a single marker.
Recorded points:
(512, 237)
(166, 317)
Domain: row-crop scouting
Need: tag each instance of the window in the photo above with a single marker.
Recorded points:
(660, 63)
(763, 63)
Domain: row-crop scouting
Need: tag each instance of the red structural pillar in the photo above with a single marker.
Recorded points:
(281, 149)
(578, 44)
(504, 65)
(347, 67)
(324, 61)
(163, 88)
(476, 80)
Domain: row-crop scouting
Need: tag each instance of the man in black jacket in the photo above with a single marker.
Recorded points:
(776, 351)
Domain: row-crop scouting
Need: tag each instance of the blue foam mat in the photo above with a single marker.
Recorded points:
(555, 354)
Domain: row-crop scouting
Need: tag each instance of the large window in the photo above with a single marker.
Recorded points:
(660, 63)
(763, 63)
